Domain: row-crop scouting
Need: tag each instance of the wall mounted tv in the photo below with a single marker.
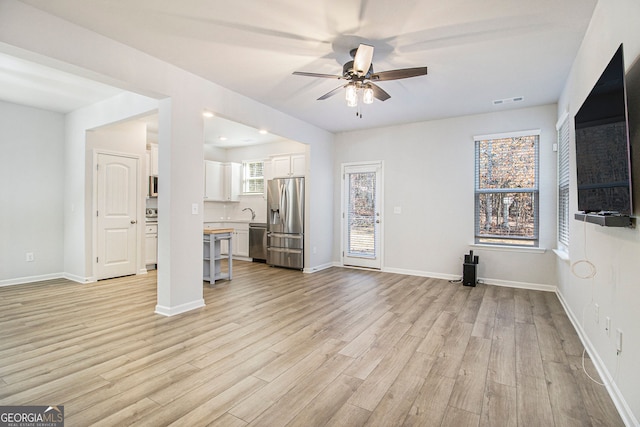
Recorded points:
(603, 152)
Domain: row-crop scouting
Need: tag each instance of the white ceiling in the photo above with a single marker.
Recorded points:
(27, 83)
(476, 51)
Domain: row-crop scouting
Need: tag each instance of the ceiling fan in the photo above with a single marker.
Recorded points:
(360, 76)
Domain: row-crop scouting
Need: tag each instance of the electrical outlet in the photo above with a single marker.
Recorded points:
(618, 340)
(596, 313)
(28, 257)
(607, 325)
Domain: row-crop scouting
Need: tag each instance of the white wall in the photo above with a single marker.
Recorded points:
(31, 193)
(614, 252)
(429, 174)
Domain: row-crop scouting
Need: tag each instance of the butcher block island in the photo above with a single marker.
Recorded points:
(213, 256)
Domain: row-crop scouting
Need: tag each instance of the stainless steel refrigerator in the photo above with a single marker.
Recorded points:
(285, 222)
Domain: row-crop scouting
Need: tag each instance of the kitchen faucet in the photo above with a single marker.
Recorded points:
(253, 214)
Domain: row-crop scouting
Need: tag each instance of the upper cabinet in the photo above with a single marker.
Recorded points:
(232, 181)
(222, 181)
(288, 165)
(213, 181)
(153, 160)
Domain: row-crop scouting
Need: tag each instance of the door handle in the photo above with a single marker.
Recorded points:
(377, 221)
(133, 221)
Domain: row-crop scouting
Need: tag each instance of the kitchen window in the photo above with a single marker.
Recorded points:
(253, 177)
(506, 189)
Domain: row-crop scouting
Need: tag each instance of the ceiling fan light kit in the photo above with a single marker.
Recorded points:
(360, 75)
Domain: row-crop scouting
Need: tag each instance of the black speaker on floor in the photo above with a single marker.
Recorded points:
(469, 270)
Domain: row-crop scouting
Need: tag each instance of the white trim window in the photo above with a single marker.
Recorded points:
(506, 189)
(253, 177)
(563, 184)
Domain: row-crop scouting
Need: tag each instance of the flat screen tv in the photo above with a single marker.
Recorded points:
(603, 153)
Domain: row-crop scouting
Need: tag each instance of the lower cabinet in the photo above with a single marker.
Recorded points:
(151, 245)
(241, 245)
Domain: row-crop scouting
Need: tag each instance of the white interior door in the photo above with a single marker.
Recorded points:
(117, 228)
(362, 216)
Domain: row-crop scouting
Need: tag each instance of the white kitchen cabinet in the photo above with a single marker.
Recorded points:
(151, 245)
(288, 165)
(153, 160)
(213, 181)
(298, 165)
(222, 181)
(147, 160)
(232, 181)
(241, 246)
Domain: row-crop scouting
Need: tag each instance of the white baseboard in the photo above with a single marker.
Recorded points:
(519, 285)
(420, 273)
(318, 268)
(182, 308)
(29, 279)
(618, 399)
(444, 276)
(79, 279)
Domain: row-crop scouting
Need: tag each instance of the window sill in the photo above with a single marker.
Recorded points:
(562, 254)
(504, 248)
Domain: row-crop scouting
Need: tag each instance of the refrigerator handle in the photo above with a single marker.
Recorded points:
(283, 203)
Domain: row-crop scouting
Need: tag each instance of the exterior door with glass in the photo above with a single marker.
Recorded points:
(362, 215)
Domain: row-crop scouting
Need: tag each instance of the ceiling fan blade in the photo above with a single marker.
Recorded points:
(362, 59)
(379, 93)
(333, 92)
(399, 74)
(326, 76)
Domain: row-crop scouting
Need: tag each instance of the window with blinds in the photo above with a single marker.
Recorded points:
(563, 183)
(506, 189)
(253, 177)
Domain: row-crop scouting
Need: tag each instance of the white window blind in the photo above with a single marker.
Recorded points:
(563, 183)
(506, 189)
(253, 177)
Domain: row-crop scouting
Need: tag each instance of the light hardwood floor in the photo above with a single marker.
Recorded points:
(275, 347)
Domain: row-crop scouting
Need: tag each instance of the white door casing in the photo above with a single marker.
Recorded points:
(117, 207)
(362, 214)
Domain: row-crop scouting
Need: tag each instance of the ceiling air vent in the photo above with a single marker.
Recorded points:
(508, 100)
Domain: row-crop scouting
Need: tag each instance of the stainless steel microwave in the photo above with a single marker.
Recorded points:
(153, 186)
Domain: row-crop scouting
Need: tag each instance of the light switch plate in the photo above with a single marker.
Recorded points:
(397, 210)
(194, 209)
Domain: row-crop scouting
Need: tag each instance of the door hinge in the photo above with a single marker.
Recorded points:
(96, 260)
(97, 213)
(97, 167)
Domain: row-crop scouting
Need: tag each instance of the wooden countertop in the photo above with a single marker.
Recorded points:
(218, 230)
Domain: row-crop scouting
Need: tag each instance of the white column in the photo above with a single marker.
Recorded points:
(181, 185)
